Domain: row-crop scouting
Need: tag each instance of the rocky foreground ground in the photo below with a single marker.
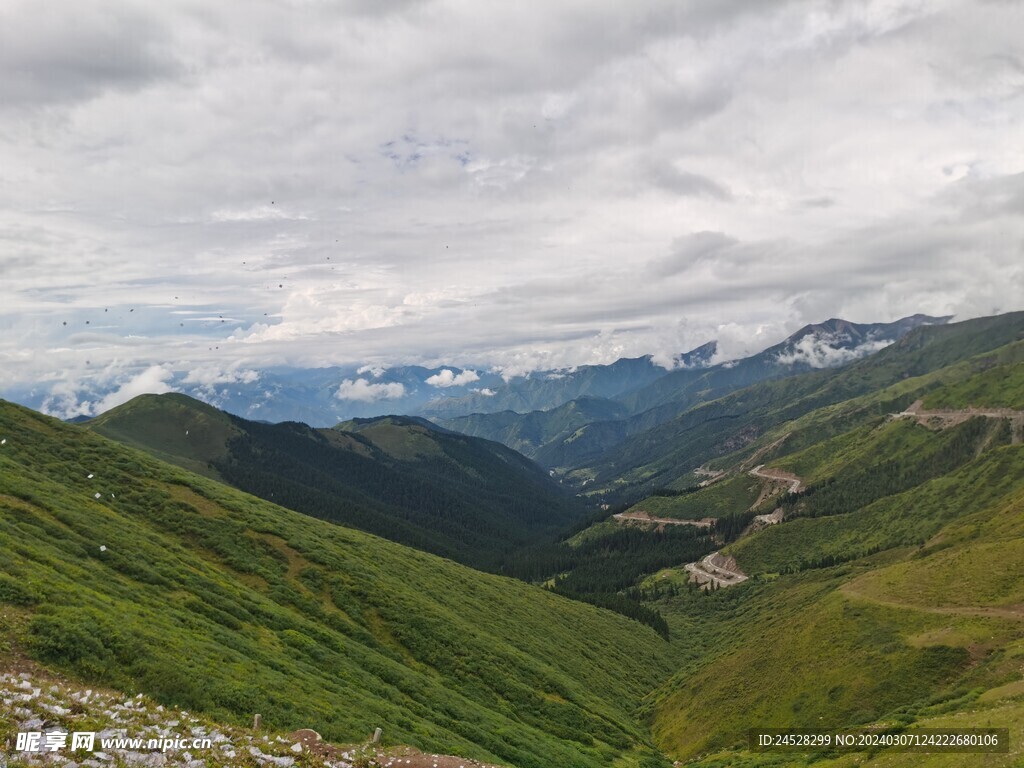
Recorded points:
(48, 713)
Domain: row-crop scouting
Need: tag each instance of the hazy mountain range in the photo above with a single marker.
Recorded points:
(579, 431)
(322, 397)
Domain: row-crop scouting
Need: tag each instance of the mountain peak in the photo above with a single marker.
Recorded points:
(834, 326)
(837, 341)
(169, 425)
(837, 326)
(699, 357)
(358, 424)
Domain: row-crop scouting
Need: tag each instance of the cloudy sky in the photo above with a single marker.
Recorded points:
(216, 187)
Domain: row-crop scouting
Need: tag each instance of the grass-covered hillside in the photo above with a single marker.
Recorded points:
(907, 607)
(464, 498)
(890, 595)
(999, 383)
(738, 492)
(118, 569)
(531, 433)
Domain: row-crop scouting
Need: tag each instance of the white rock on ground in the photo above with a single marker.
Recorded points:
(66, 708)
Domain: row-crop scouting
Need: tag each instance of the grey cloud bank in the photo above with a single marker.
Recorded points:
(217, 189)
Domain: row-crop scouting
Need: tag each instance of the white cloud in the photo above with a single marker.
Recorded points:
(92, 392)
(361, 390)
(485, 391)
(65, 403)
(152, 381)
(71, 398)
(374, 370)
(818, 351)
(256, 213)
(448, 378)
(209, 376)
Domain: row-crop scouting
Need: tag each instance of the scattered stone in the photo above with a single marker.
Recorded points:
(48, 707)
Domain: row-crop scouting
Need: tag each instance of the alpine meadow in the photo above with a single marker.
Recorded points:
(437, 384)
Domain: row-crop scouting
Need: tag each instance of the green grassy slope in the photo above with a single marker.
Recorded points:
(937, 615)
(461, 497)
(999, 385)
(531, 433)
(893, 594)
(928, 636)
(726, 497)
(811, 429)
(173, 428)
(213, 600)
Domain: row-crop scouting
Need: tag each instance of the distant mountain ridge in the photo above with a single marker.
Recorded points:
(530, 433)
(821, 345)
(322, 397)
(668, 452)
(570, 436)
(548, 389)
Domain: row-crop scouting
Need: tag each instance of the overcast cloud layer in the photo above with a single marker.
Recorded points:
(220, 187)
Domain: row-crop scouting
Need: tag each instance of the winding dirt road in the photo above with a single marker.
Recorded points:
(944, 418)
(1013, 613)
(720, 571)
(642, 517)
(712, 475)
(795, 483)
(716, 570)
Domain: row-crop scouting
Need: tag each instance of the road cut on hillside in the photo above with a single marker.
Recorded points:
(796, 484)
(716, 570)
(642, 517)
(712, 475)
(945, 418)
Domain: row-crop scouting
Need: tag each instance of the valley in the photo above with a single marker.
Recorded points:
(212, 600)
(848, 495)
(839, 547)
(441, 384)
(402, 478)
